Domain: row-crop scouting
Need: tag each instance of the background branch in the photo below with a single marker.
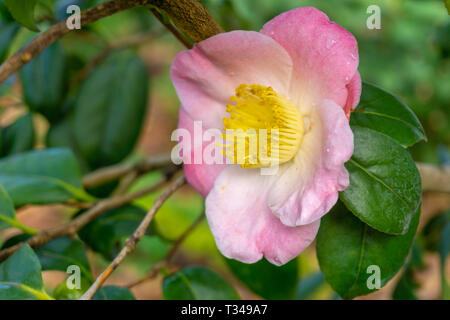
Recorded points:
(45, 39)
(190, 16)
(170, 255)
(131, 242)
(76, 224)
(115, 172)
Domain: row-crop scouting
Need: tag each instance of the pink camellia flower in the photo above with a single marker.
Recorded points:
(299, 75)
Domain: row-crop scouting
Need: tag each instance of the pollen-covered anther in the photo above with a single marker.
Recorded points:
(264, 127)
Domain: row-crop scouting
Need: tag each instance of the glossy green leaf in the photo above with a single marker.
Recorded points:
(42, 176)
(20, 277)
(197, 283)
(308, 286)
(382, 111)
(44, 82)
(23, 12)
(267, 280)
(18, 136)
(110, 109)
(347, 247)
(105, 234)
(63, 252)
(385, 187)
(114, 293)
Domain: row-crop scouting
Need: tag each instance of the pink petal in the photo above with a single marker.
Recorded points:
(325, 55)
(243, 225)
(200, 176)
(206, 76)
(354, 94)
(308, 189)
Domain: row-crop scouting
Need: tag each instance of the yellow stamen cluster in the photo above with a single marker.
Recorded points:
(264, 127)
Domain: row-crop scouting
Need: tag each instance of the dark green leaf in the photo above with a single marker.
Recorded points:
(346, 247)
(110, 109)
(105, 234)
(308, 286)
(444, 249)
(43, 176)
(197, 283)
(23, 12)
(20, 277)
(8, 30)
(63, 252)
(113, 293)
(60, 135)
(267, 280)
(405, 288)
(22, 237)
(385, 188)
(61, 6)
(44, 82)
(18, 137)
(382, 111)
(7, 212)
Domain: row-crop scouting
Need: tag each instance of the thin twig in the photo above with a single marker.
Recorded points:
(116, 172)
(131, 242)
(76, 224)
(59, 30)
(170, 255)
(125, 183)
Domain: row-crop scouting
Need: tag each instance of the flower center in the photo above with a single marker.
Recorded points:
(264, 127)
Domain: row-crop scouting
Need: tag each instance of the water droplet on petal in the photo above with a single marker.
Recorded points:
(330, 43)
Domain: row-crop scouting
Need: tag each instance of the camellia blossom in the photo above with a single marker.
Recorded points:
(298, 75)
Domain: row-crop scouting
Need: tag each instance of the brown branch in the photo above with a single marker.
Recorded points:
(59, 30)
(191, 17)
(76, 224)
(170, 255)
(115, 172)
(172, 29)
(131, 242)
(434, 178)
